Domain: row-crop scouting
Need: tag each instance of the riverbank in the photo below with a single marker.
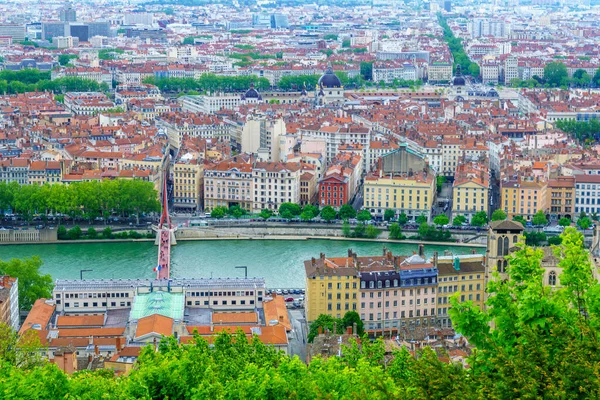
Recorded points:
(259, 237)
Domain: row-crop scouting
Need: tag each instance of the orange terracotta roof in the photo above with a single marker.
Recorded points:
(154, 323)
(66, 321)
(275, 310)
(234, 318)
(87, 332)
(40, 314)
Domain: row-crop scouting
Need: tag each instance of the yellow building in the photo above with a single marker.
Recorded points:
(464, 274)
(470, 191)
(188, 177)
(331, 287)
(404, 193)
(524, 198)
(560, 197)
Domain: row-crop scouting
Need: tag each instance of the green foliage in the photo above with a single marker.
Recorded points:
(330, 36)
(61, 232)
(441, 220)
(539, 219)
(554, 240)
(498, 215)
(396, 232)
(346, 212)
(421, 219)
(389, 214)
(584, 132)
(346, 229)
(364, 216)
(32, 284)
(519, 218)
(326, 322)
(109, 54)
(107, 233)
(328, 213)
(75, 233)
(439, 182)
(431, 233)
(366, 70)
(533, 342)
(346, 43)
(297, 82)
(402, 219)
(20, 351)
(584, 221)
(555, 74)
(289, 210)
(564, 222)
(265, 214)
(596, 78)
(91, 233)
(457, 50)
(236, 211)
(209, 82)
(190, 39)
(534, 238)
(372, 232)
(479, 219)
(64, 59)
(219, 212)
(459, 220)
(59, 98)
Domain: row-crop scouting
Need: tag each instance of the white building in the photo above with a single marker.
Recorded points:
(211, 103)
(275, 183)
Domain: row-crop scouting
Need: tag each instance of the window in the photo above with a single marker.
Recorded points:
(552, 278)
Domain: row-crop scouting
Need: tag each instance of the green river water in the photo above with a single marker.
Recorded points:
(280, 262)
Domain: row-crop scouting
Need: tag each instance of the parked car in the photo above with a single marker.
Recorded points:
(289, 299)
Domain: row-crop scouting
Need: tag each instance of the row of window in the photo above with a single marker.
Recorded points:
(237, 293)
(93, 295)
(395, 303)
(220, 302)
(403, 314)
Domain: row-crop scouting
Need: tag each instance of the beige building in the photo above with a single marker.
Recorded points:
(275, 183)
(439, 72)
(560, 197)
(470, 190)
(262, 136)
(188, 178)
(522, 197)
(228, 183)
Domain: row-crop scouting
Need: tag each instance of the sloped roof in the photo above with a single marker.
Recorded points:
(157, 324)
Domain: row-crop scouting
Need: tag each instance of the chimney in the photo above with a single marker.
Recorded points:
(96, 352)
(349, 252)
(349, 330)
(421, 250)
(473, 251)
(322, 256)
(118, 344)
(435, 259)
(313, 261)
(384, 251)
(320, 330)
(354, 329)
(389, 256)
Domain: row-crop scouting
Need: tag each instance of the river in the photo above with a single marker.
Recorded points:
(280, 262)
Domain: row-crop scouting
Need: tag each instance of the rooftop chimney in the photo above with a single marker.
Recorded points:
(421, 250)
(435, 259)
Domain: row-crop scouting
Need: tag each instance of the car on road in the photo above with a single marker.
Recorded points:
(289, 299)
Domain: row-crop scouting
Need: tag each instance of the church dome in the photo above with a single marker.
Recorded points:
(251, 94)
(458, 80)
(329, 80)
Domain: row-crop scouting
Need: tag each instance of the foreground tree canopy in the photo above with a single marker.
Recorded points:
(532, 342)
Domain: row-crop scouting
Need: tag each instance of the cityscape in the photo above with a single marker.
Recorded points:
(289, 199)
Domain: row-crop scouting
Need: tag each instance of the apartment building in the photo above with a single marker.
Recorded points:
(377, 149)
(334, 136)
(183, 125)
(14, 170)
(560, 197)
(228, 183)
(41, 172)
(9, 302)
(587, 193)
(209, 103)
(87, 103)
(463, 274)
(262, 136)
(188, 179)
(470, 190)
(341, 180)
(275, 183)
(523, 197)
(439, 72)
(331, 287)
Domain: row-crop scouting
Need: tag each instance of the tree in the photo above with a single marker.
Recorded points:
(539, 219)
(534, 238)
(32, 284)
(366, 70)
(459, 220)
(564, 222)
(75, 233)
(328, 213)
(64, 59)
(525, 331)
(346, 229)
(372, 232)
(584, 221)
(20, 351)
(519, 218)
(351, 318)
(107, 233)
(396, 232)
(555, 73)
(346, 43)
(306, 215)
(219, 212)
(91, 233)
(265, 214)
(289, 210)
(389, 214)
(479, 219)
(596, 78)
(364, 216)
(347, 212)
(402, 219)
(61, 232)
(441, 220)
(439, 182)
(421, 219)
(325, 322)
(498, 215)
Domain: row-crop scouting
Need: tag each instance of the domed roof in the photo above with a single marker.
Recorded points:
(458, 80)
(251, 93)
(329, 79)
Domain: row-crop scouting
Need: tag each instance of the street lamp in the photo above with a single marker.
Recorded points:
(81, 271)
(245, 270)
